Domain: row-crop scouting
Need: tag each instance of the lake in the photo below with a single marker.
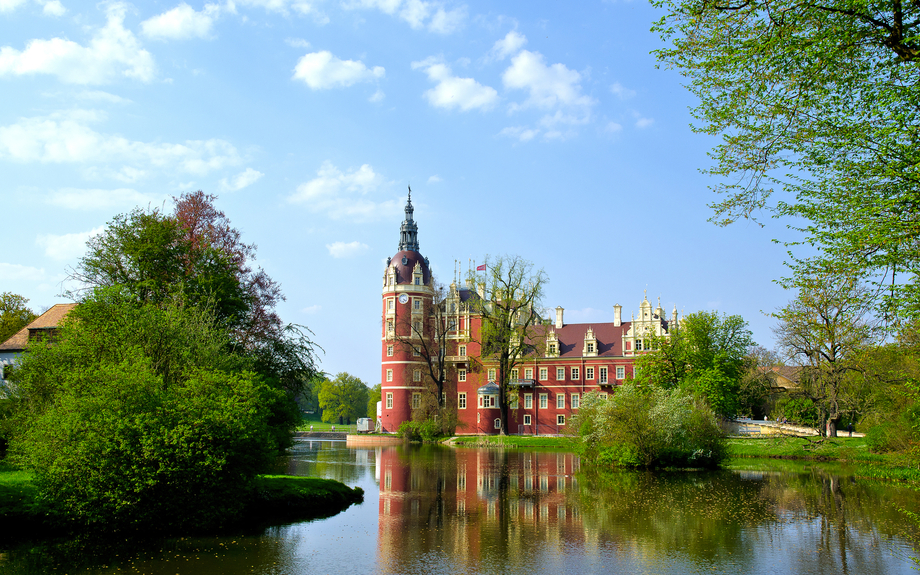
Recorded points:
(431, 510)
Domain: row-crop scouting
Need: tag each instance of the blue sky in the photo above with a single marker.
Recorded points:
(541, 129)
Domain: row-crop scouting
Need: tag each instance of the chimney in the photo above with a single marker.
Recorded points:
(559, 311)
(481, 289)
(617, 315)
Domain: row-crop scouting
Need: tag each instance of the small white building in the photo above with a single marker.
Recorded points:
(42, 328)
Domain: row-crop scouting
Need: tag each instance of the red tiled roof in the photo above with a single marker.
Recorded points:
(404, 270)
(609, 338)
(48, 320)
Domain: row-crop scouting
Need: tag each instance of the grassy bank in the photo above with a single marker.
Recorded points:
(514, 441)
(275, 499)
(842, 449)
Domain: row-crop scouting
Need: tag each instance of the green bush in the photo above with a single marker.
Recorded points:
(649, 427)
(427, 431)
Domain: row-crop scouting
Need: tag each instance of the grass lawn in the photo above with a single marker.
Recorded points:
(318, 425)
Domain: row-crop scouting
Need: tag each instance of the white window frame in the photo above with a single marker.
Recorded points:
(560, 401)
(528, 401)
(544, 400)
(461, 400)
(526, 419)
(603, 375)
(416, 400)
(621, 372)
(491, 374)
(461, 375)
(575, 401)
(389, 375)
(391, 304)
(417, 303)
(544, 374)
(560, 374)
(416, 375)
(389, 400)
(515, 373)
(528, 373)
(560, 419)
(589, 373)
(462, 351)
(513, 402)
(575, 374)
(497, 423)
(389, 351)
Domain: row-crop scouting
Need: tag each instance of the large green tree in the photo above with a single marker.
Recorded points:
(705, 352)
(138, 417)
(510, 313)
(344, 398)
(14, 314)
(818, 100)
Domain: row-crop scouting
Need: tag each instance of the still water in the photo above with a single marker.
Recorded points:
(432, 510)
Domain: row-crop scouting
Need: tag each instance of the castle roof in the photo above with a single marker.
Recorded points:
(405, 262)
(46, 321)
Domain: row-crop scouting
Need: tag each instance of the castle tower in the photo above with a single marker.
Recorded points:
(407, 297)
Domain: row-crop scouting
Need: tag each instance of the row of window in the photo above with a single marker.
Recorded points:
(575, 373)
(560, 420)
(491, 400)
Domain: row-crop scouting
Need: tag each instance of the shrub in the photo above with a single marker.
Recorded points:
(650, 427)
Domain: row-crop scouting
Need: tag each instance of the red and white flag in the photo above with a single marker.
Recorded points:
(481, 268)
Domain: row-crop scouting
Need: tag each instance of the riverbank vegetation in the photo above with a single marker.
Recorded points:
(167, 391)
(523, 441)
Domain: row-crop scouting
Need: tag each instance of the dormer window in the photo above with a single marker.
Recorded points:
(418, 281)
(590, 348)
(552, 349)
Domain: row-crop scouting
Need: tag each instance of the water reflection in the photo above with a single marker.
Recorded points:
(431, 510)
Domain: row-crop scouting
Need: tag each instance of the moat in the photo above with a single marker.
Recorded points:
(440, 510)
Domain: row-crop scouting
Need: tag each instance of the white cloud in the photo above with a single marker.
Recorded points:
(181, 22)
(344, 195)
(99, 199)
(312, 309)
(99, 96)
(322, 70)
(9, 272)
(53, 8)
(297, 43)
(644, 122)
(378, 96)
(612, 127)
(520, 133)
(65, 138)
(510, 44)
(343, 250)
(10, 5)
(241, 180)
(435, 179)
(417, 13)
(622, 93)
(453, 91)
(67, 246)
(549, 86)
(112, 52)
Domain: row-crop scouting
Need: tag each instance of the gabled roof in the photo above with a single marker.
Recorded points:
(48, 320)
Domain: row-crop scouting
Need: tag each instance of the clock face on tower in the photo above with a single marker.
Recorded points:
(403, 298)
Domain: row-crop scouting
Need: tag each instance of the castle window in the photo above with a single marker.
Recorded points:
(603, 375)
(560, 373)
(560, 419)
(416, 351)
(528, 373)
(417, 303)
(560, 401)
(417, 326)
(461, 375)
(418, 281)
(590, 348)
(527, 419)
(528, 401)
(513, 402)
(417, 375)
(390, 325)
(498, 423)
(621, 372)
(462, 352)
(603, 396)
(492, 374)
(515, 374)
(544, 400)
(589, 373)
(390, 304)
(544, 374)
(461, 400)
(389, 375)
(389, 401)
(389, 351)
(638, 345)
(576, 401)
(416, 400)
(552, 349)
(575, 374)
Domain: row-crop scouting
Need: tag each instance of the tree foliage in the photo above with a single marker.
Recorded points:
(344, 398)
(139, 418)
(705, 353)
(14, 314)
(510, 313)
(649, 427)
(825, 330)
(818, 100)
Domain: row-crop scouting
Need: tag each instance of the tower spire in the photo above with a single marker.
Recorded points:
(408, 231)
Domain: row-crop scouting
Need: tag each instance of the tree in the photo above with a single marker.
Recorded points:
(14, 315)
(509, 310)
(343, 398)
(819, 100)
(139, 417)
(825, 330)
(373, 396)
(706, 353)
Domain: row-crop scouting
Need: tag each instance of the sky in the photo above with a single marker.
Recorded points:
(538, 129)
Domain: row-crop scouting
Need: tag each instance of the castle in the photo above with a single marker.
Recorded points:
(430, 333)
